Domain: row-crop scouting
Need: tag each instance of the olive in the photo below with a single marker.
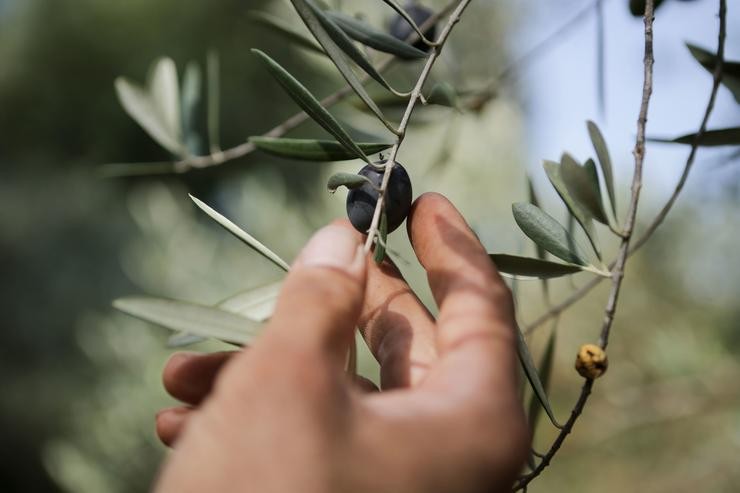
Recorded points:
(401, 29)
(361, 201)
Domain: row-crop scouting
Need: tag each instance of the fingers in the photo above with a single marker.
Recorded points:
(170, 422)
(475, 324)
(397, 328)
(189, 377)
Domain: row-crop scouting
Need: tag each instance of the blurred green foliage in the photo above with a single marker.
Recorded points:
(80, 384)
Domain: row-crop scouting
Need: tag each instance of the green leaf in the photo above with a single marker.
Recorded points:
(583, 185)
(400, 11)
(191, 95)
(336, 44)
(534, 200)
(443, 94)
(284, 29)
(245, 237)
(369, 36)
(710, 138)
(184, 339)
(349, 180)
(157, 108)
(199, 320)
(730, 69)
(380, 245)
(581, 215)
(531, 268)
(602, 153)
(534, 379)
(547, 232)
(213, 66)
(545, 366)
(313, 150)
(310, 104)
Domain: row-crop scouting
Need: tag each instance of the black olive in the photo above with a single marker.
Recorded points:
(361, 201)
(401, 29)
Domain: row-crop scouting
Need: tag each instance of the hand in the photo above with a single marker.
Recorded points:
(283, 416)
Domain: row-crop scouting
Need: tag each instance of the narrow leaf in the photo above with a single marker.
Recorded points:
(165, 94)
(213, 66)
(369, 36)
(199, 320)
(534, 200)
(318, 27)
(286, 30)
(314, 150)
(541, 228)
(242, 235)
(380, 245)
(349, 180)
(190, 100)
(310, 104)
(582, 216)
(730, 69)
(531, 268)
(710, 138)
(602, 153)
(583, 185)
(534, 379)
(184, 339)
(545, 371)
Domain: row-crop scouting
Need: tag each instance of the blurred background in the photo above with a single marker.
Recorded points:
(80, 383)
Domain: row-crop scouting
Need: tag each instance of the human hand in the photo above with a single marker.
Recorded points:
(283, 415)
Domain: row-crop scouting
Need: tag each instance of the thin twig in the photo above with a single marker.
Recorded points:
(241, 150)
(413, 100)
(618, 271)
(660, 217)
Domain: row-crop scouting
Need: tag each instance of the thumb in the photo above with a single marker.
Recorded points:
(321, 299)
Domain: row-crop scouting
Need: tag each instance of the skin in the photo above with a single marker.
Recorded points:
(284, 416)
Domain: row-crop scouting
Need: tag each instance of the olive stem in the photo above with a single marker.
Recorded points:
(415, 97)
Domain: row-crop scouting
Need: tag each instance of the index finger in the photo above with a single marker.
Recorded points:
(475, 337)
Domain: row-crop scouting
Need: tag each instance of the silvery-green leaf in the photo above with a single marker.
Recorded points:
(327, 33)
(534, 200)
(531, 268)
(395, 6)
(530, 371)
(242, 235)
(285, 29)
(443, 94)
(349, 180)
(150, 114)
(191, 94)
(545, 231)
(165, 93)
(184, 339)
(602, 153)
(256, 304)
(199, 320)
(369, 36)
(710, 138)
(310, 104)
(730, 69)
(213, 67)
(312, 149)
(380, 245)
(583, 185)
(548, 357)
(581, 215)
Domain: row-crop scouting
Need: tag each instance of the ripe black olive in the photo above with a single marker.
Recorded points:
(361, 201)
(401, 29)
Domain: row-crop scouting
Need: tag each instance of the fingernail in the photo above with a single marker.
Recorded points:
(334, 246)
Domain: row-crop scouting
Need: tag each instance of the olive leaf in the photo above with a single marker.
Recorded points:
(284, 29)
(443, 94)
(531, 268)
(525, 358)
(710, 138)
(318, 24)
(730, 69)
(602, 153)
(552, 169)
(545, 231)
(313, 150)
(400, 11)
(242, 235)
(380, 245)
(214, 100)
(545, 366)
(349, 180)
(190, 99)
(534, 200)
(582, 183)
(157, 108)
(369, 36)
(310, 104)
(191, 318)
